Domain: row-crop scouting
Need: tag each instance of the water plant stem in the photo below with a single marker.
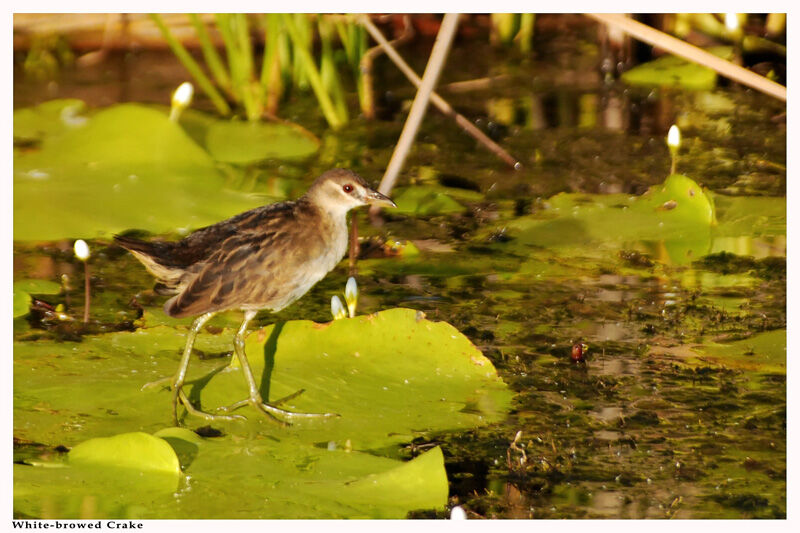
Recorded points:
(441, 48)
(213, 59)
(271, 80)
(353, 254)
(311, 71)
(692, 53)
(525, 35)
(437, 100)
(191, 65)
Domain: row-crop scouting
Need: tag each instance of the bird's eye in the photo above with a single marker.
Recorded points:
(347, 188)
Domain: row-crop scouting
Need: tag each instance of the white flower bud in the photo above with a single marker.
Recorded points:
(337, 309)
(674, 137)
(351, 295)
(181, 99)
(81, 250)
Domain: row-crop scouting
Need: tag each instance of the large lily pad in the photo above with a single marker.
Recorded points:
(391, 376)
(242, 478)
(127, 167)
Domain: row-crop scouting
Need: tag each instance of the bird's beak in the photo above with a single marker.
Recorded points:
(375, 198)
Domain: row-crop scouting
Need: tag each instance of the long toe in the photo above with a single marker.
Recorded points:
(192, 410)
(291, 415)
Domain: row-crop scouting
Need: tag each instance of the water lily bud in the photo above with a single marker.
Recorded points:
(458, 513)
(731, 21)
(351, 295)
(337, 309)
(81, 250)
(181, 99)
(674, 137)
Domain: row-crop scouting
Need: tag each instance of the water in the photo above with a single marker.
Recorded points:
(659, 421)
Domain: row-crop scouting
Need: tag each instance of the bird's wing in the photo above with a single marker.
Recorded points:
(250, 267)
(227, 277)
(200, 244)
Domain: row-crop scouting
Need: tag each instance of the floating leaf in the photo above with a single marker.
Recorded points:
(136, 451)
(244, 142)
(128, 167)
(678, 213)
(244, 478)
(23, 290)
(49, 119)
(185, 442)
(426, 200)
(763, 352)
(22, 303)
(391, 376)
(672, 71)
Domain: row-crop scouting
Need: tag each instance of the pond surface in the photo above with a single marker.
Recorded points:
(679, 409)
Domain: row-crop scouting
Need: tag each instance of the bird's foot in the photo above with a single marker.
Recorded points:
(192, 410)
(281, 416)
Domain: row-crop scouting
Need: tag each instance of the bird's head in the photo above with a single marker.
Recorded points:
(340, 190)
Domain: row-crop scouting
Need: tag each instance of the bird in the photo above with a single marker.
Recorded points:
(263, 259)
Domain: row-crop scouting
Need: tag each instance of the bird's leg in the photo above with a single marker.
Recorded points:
(180, 377)
(255, 396)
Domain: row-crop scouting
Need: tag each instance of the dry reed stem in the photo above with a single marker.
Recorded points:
(697, 55)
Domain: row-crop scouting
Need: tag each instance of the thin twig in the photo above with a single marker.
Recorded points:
(353, 246)
(478, 84)
(437, 100)
(692, 53)
(441, 48)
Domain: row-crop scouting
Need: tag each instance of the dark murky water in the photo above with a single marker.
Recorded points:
(647, 426)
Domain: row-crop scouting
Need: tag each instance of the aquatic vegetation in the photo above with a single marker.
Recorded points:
(671, 71)
(287, 62)
(23, 289)
(90, 173)
(678, 408)
(366, 369)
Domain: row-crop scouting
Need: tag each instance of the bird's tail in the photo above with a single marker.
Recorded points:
(154, 257)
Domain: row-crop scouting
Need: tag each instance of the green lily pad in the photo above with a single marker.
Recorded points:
(764, 352)
(391, 376)
(128, 167)
(186, 443)
(426, 200)
(678, 214)
(102, 476)
(672, 71)
(23, 290)
(135, 451)
(49, 119)
(748, 215)
(244, 142)
(243, 478)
